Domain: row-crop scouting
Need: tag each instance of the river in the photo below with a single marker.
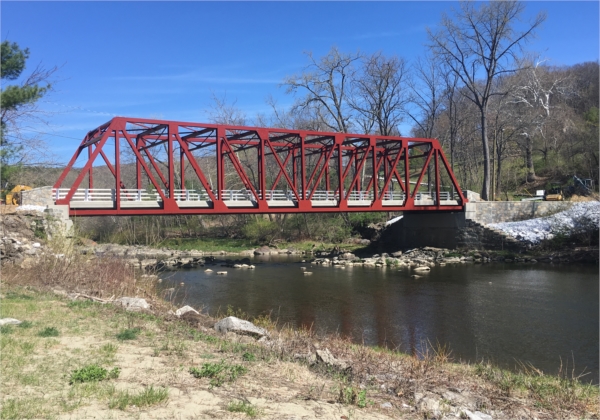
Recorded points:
(507, 313)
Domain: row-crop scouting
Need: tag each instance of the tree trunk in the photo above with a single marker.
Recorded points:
(529, 158)
(485, 189)
(498, 172)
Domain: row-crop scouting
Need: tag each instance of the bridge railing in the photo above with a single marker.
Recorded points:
(86, 194)
(132, 194)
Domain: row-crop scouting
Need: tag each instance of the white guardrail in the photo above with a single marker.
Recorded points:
(142, 195)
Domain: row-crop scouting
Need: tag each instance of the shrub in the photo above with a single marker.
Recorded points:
(243, 407)
(26, 324)
(219, 373)
(128, 334)
(350, 395)
(260, 230)
(48, 332)
(93, 373)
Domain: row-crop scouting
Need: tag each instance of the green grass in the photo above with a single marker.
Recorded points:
(6, 329)
(93, 373)
(108, 352)
(48, 332)
(239, 245)
(81, 304)
(25, 324)
(219, 373)
(24, 408)
(207, 244)
(128, 334)
(320, 246)
(149, 396)
(352, 396)
(243, 407)
(18, 296)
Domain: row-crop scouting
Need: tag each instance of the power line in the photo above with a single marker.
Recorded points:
(43, 132)
(78, 108)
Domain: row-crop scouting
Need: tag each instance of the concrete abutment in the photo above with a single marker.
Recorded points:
(468, 229)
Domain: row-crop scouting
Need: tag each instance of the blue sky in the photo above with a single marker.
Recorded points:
(164, 59)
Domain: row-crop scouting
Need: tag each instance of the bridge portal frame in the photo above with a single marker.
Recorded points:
(301, 160)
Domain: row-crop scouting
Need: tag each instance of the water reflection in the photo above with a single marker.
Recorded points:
(536, 314)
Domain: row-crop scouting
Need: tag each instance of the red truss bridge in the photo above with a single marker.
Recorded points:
(133, 166)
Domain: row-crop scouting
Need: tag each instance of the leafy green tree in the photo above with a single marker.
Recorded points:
(17, 104)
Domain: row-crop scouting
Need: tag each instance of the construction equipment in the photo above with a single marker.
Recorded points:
(554, 193)
(581, 186)
(14, 196)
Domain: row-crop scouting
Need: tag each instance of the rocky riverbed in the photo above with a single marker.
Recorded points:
(21, 241)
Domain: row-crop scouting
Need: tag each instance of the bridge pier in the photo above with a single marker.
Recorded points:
(420, 229)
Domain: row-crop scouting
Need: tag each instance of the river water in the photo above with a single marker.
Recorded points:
(507, 313)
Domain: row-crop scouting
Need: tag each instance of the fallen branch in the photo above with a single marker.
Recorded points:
(75, 296)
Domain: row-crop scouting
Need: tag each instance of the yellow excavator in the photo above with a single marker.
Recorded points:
(13, 197)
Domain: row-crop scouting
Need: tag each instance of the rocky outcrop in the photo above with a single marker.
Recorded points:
(9, 321)
(265, 250)
(239, 326)
(450, 403)
(184, 310)
(21, 236)
(421, 260)
(132, 303)
(325, 356)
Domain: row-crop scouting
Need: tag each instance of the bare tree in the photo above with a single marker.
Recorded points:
(325, 85)
(427, 94)
(533, 93)
(224, 112)
(301, 119)
(379, 94)
(479, 45)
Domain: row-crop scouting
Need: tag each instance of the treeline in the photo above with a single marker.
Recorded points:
(542, 125)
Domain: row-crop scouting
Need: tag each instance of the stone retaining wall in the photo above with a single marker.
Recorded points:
(486, 212)
(37, 197)
(476, 236)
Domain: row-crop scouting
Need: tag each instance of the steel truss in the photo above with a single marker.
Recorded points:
(132, 166)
